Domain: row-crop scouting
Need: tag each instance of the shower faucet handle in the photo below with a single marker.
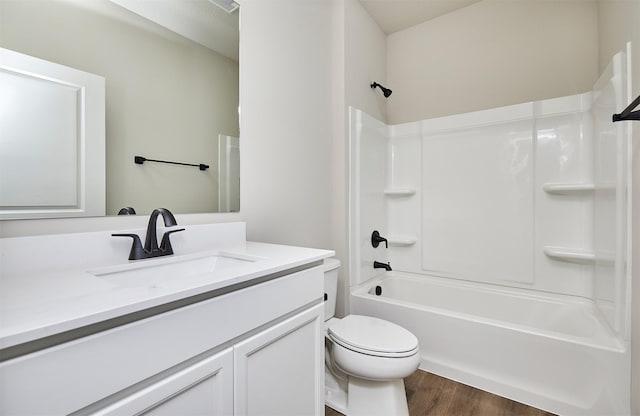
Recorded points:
(376, 239)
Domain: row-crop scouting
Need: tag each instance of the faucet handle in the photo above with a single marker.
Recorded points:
(165, 245)
(376, 239)
(137, 251)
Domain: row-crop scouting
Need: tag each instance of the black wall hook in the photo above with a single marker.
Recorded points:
(627, 114)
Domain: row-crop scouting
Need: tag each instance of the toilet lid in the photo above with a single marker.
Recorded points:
(373, 335)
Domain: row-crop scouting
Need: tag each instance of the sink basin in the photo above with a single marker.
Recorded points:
(172, 270)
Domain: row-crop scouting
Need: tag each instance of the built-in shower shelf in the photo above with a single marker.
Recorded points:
(402, 241)
(571, 255)
(568, 188)
(400, 192)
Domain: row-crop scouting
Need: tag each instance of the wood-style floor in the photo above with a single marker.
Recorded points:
(431, 395)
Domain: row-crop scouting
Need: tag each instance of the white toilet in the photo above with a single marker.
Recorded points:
(366, 359)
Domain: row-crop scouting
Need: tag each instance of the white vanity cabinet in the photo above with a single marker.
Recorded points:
(205, 388)
(272, 375)
(252, 351)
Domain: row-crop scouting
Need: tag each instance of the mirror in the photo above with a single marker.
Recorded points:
(171, 86)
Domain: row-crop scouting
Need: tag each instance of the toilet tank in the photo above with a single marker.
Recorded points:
(331, 267)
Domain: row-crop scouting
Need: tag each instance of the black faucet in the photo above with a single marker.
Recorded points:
(151, 248)
(376, 239)
(378, 265)
(127, 211)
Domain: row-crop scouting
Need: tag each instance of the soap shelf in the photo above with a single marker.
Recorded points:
(580, 256)
(571, 255)
(568, 188)
(402, 241)
(398, 192)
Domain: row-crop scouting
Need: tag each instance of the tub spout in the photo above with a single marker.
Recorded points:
(379, 265)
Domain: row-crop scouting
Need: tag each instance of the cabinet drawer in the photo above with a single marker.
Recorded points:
(73, 375)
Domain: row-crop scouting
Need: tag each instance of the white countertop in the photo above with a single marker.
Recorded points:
(45, 301)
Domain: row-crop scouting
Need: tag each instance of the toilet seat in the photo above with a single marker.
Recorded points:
(373, 336)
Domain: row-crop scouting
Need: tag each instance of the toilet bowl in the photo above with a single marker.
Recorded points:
(366, 359)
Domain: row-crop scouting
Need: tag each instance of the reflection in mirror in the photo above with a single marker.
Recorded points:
(169, 96)
(228, 174)
(42, 164)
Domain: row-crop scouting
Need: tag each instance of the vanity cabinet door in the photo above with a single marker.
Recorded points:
(280, 371)
(205, 388)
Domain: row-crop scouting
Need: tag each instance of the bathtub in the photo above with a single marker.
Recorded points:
(550, 351)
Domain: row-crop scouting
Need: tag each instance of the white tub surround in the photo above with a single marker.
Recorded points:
(527, 200)
(160, 326)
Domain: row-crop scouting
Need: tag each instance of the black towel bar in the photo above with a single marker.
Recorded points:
(627, 114)
(141, 159)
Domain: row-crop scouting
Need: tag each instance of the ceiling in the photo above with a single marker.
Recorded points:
(395, 15)
(198, 20)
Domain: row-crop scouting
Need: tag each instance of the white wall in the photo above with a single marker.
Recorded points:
(360, 50)
(491, 54)
(339, 166)
(295, 91)
(366, 58)
(618, 24)
(286, 120)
